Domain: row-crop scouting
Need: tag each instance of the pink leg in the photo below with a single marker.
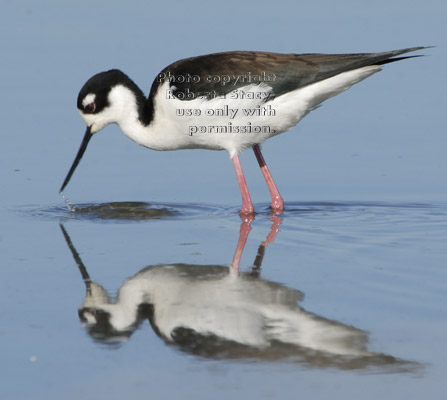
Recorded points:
(247, 205)
(273, 231)
(277, 201)
(243, 235)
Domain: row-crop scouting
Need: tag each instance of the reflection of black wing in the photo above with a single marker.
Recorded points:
(216, 348)
(282, 72)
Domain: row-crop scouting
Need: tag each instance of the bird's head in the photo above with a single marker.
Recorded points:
(104, 99)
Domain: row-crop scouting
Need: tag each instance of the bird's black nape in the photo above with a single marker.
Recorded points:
(102, 83)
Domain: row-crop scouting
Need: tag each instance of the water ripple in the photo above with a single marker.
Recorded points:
(124, 211)
(137, 211)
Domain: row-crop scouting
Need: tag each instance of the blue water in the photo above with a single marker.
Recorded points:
(132, 292)
(373, 272)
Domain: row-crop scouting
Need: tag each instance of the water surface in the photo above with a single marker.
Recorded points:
(150, 295)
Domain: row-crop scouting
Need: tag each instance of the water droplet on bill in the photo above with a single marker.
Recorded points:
(68, 203)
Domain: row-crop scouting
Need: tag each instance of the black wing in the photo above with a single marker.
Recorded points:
(220, 73)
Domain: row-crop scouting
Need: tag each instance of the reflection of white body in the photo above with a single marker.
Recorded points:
(219, 313)
(211, 301)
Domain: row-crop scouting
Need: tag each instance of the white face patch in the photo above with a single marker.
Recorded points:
(89, 99)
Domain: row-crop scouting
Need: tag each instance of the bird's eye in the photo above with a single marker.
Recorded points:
(90, 108)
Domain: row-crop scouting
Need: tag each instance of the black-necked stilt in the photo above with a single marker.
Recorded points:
(224, 101)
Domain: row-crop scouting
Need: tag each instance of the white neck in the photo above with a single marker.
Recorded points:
(123, 111)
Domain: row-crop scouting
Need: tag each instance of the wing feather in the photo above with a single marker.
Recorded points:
(220, 73)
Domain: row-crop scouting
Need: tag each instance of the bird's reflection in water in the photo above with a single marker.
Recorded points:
(217, 312)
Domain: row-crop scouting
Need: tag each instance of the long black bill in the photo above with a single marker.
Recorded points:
(88, 135)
